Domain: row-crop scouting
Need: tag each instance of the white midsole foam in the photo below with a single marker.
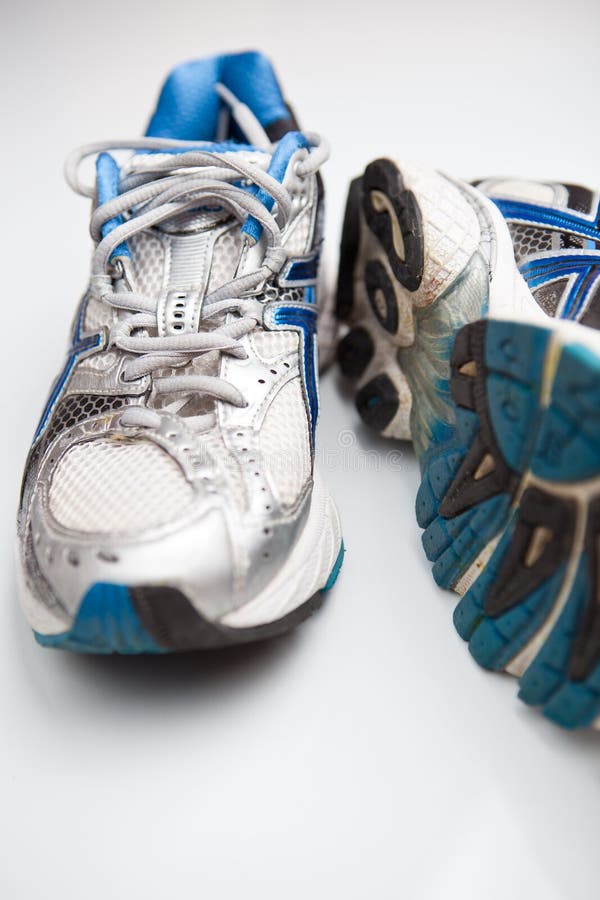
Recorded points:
(306, 570)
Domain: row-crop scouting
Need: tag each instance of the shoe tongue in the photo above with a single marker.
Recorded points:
(202, 253)
(543, 193)
(141, 162)
(179, 262)
(196, 250)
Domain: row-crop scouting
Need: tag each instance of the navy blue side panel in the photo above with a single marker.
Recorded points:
(548, 217)
(300, 271)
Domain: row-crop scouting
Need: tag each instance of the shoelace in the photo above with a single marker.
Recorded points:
(185, 180)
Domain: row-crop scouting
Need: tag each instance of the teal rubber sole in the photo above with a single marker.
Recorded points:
(510, 506)
(113, 618)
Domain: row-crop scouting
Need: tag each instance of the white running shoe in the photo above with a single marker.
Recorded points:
(170, 500)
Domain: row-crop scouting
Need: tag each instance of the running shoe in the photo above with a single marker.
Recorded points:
(170, 500)
(446, 295)
(555, 234)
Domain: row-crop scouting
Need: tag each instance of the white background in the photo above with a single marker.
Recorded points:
(364, 755)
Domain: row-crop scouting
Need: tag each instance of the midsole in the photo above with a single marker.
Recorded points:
(305, 571)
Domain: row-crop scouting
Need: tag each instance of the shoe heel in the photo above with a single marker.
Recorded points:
(395, 263)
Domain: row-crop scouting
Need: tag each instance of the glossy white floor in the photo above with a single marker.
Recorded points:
(364, 755)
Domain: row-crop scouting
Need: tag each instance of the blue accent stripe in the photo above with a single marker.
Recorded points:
(304, 318)
(106, 622)
(300, 271)
(287, 146)
(333, 575)
(548, 217)
(107, 187)
(75, 352)
(563, 262)
(538, 272)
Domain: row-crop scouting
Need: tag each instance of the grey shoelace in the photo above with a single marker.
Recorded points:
(173, 184)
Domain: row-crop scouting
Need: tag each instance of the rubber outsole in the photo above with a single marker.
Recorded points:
(380, 199)
(509, 498)
(113, 618)
(532, 610)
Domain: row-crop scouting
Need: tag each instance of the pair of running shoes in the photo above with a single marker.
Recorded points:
(170, 500)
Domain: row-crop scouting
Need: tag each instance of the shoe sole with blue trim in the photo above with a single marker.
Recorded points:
(446, 346)
(148, 618)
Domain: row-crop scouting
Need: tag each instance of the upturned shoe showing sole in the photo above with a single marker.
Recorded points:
(447, 346)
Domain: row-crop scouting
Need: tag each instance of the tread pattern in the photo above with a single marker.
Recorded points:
(390, 214)
(404, 307)
(383, 181)
(534, 456)
(354, 352)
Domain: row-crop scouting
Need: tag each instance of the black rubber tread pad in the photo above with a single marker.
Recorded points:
(377, 402)
(355, 352)
(383, 176)
(377, 281)
(585, 654)
(169, 618)
(469, 391)
(516, 579)
(349, 250)
(466, 490)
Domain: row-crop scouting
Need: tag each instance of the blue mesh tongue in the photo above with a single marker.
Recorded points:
(188, 106)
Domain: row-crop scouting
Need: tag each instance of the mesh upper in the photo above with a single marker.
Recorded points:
(549, 295)
(149, 255)
(116, 486)
(226, 253)
(226, 465)
(298, 239)
(271, 344)
(97, 315)
(285, 443)
(105, 486)
(284, 294)
(78, 408)
(528, 240)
